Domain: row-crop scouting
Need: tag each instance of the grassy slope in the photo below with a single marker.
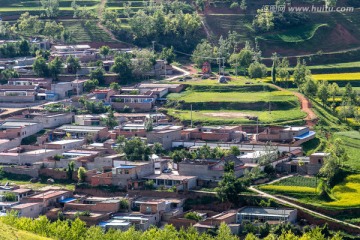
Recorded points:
(10, 233)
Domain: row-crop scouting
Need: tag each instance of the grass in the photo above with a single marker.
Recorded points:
(190, 96)
(239, 117)
(35, 186)
(10, 233)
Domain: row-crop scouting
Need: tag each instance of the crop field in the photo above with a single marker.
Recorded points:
(17, 7)
(275, 96)
(82, 33)
(338, 77)
(296, 34)
(239, 117)
(298, 181)
(351, 141)
(347, 194)
(288, 189)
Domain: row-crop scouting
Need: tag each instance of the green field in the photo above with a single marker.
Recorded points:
(298, 181)
(191, 97)
(288, 189)
(351, 141)
(239, 117)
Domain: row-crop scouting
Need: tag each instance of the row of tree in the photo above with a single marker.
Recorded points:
(77, 230)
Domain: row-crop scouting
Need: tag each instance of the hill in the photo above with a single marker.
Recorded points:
(10, 233)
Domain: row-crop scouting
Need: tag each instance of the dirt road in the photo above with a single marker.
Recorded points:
(311, 117)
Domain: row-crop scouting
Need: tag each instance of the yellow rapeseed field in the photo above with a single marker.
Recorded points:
(288, 189)
(347, 194)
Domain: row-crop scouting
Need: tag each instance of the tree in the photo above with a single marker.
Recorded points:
(224, 232)
(143, 62)
(243, 5)
(323, 92)
(264, 20)
(122, 66)
(257, 70)
(9, 197)
(202, 53)
(300, 73)
(330, 168)
(24, 48)
(73, 64)
(135, 149)
(193, 216)
(53, 30)
(40, 67)
(283, 70)
(115, 86)
(90, 85)
(330, 3)
(310, 87)
(229, 188)
(242, 59)
(70, 169)
(234, 150)
(29, 24)
(273, 68)
(168, 55)
(334, 91)
(98, 74)
(158, 148)
(110, 121)
(51, 8)
(81, 174)
(55, 67)
(104, 50)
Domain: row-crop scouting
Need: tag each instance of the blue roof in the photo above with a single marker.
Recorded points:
(126, 167)
(102, 224)
(66, 200)
(305, 135)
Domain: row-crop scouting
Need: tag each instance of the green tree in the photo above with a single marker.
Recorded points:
(242, 59)
(143, 62)
(90, 85)
(40, 67)
(29, 24)
(168, 55)
(81, 174)
(55, 67)
(264, 20)
(53, 30)
(73, 64)
(135, 149)
(158, 148)
(51, 8)
(273, 68)
(193, 216)
(257, 70)
(323, 92)
(98, 74)
(104, 50)
(110, 121)
(300, 73)
(229, 188)
(234, 150)
(70, 169)
(310, 88)
(9, 197)
(122, 66)
(283, 70)
(334, 91)
(115, 86)
(202, 53)
(24, 48)
(243, 5)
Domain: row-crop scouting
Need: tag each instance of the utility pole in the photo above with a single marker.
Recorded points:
(165, 62)
(191, 115)
(223, 66)
(153, 46)
(236, 66)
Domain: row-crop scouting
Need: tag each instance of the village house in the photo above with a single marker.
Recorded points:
(44, 83)
(266, 214)
(140, 102)
(172, 180)
(287, 134)
(48, 198)
(219, 133)
(209, 169)
(29, 210)
(18, 93)
(10, 129)
(164, 134)
(172, 88)
(93, 132)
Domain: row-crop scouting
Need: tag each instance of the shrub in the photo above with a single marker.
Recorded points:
(9, 197)
(193, 216)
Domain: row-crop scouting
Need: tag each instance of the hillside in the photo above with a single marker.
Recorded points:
(10, 233)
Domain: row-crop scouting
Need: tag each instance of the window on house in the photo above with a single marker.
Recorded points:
(319, 161)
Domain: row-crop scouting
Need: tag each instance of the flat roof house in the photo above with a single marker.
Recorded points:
(48, 198)
(210, 169)
(41, 82)
(164, 135)
(19, 128)
(129, 174)
(29, 210)
(97, 132)
(143, 102)
(267, 214)
(18, 93)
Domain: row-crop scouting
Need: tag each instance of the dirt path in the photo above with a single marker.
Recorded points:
(325, 217)
(311, 118)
